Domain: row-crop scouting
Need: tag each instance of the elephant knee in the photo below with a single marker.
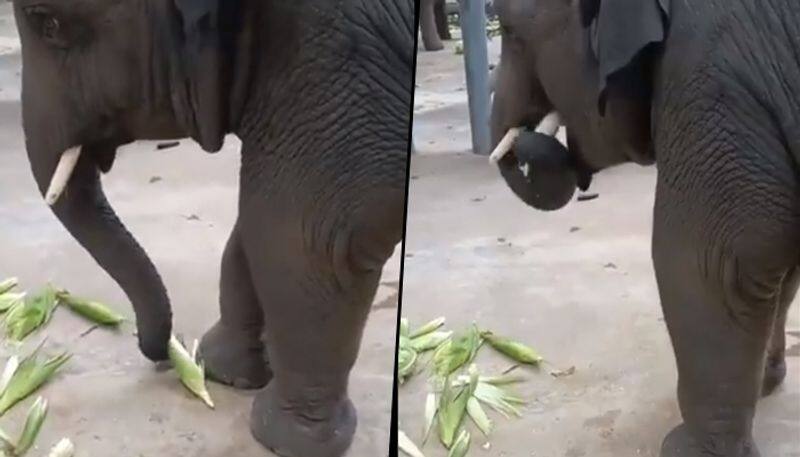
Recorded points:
(752, 294)
(375, 230)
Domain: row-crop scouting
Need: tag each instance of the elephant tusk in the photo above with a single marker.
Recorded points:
(505, 145)
(548, 126)
(66, 165)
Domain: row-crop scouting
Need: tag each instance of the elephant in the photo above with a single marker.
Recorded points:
(433, 24)
(320, 94)
(709, 92)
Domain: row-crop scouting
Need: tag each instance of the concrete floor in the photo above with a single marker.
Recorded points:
(109, 400)
(576, 284)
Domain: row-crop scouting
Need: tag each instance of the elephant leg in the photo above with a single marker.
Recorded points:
(442, 25)
(720, 301)
(314, 315)
(427, 22)
(232, 349)
(775, 370)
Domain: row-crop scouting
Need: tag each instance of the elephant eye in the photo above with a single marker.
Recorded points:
(47, 25)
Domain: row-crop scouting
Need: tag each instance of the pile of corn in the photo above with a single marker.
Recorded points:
(20, 316)
(458, 390)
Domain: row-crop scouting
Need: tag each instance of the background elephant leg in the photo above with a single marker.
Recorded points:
(315, 314)
(442, 25)
(775, 371)
(232, 349)
(427, 22)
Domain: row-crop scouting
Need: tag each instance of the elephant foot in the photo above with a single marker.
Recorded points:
(235, 357)
(323, 431)
(774, 374)
(679, 443)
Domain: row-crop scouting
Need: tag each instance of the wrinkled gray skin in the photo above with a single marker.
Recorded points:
(320, 95)
(710, 91)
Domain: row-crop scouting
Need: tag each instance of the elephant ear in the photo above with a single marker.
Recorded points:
(625, 35)
(207, 61)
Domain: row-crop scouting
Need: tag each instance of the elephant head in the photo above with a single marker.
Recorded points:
(98, 74)
(585, 65)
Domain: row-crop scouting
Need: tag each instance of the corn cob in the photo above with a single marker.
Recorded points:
(26, 316)
(9, 300)
(28, 377)
(513, 349)
(428, 328)
(453, 407)
(8, 284)
(461, 446)
(33, 424)
(92, 310)
(407, 446)
(191, 373)
(430, 341)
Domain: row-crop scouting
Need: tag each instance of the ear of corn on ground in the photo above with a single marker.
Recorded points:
(33, 424)
(92, 310)
(31, 374)
(513, 349)
(27, 315)
(191, 373)
(8, 284)
(407, 446)
(461, 446)
(10, 299)
(454, 396)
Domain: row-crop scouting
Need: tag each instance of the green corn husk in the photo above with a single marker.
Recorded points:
(8, 284)
(33, 424)
(453, 407)
(456, 352)
(92, 310)
(30, 314)
(11, 367)
(407, 446)
(431, 408)
(405, 327)
(431, 326)
(430, 341)
(513, 349)
(64, 448)
(461, 446)
(28, 377)
(501, 400)
(478, 415)
(191, 373)
(9, 300)
(406, 359)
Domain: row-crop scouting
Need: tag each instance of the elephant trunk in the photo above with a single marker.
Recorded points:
(85, 212)
(539, 170)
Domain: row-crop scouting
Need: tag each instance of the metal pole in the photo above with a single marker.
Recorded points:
(476, 63)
